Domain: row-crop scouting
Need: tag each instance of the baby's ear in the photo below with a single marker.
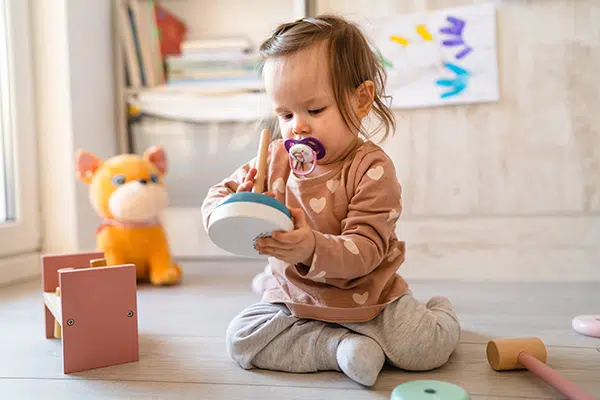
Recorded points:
(365, 95)
(156, 155)
(86, 165)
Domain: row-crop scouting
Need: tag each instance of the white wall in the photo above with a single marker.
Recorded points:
(506, 190)
(74, 73)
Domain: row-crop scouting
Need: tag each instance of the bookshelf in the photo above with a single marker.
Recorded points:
(202, 19)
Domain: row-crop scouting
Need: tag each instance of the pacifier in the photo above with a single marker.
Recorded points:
(303, 154)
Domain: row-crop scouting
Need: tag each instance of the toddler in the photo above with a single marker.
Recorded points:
(334, 300)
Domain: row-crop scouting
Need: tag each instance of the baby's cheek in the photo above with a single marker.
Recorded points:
(284, 127)
(286, 132)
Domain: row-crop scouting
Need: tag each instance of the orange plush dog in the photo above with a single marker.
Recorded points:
(128, 192)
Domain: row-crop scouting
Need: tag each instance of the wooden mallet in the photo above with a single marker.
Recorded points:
(530, 353)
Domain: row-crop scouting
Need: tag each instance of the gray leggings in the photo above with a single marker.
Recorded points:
(414, 336)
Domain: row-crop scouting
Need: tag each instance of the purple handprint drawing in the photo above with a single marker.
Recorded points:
(455, 31)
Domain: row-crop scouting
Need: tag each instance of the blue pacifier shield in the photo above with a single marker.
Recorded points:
(429, 390)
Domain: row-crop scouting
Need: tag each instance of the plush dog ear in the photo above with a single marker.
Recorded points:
(86, 165)
(156, 155)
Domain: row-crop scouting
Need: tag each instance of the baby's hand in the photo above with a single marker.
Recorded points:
(246, 186)
(295, 247)
(248, 183)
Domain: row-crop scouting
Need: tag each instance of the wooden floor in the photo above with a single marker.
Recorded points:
(182, 352)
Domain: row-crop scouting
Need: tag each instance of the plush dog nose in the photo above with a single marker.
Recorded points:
(143, 181)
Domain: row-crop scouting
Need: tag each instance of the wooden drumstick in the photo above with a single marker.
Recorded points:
(261, 162)
(530, 353)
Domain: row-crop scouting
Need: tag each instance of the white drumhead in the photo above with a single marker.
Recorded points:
(234, 226)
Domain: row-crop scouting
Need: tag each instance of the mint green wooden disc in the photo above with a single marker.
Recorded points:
(429, 390)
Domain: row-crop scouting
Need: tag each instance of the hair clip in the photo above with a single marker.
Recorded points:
(299, 20)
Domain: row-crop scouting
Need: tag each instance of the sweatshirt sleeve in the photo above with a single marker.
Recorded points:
(223, 189)
(367, 230)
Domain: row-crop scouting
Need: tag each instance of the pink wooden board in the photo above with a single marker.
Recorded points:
(53, 262)
(50, 265)
(98, 301)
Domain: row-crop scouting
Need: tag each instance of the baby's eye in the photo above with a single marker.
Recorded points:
(118, 180)
(287, 116)
(154, 178)
(317, 111)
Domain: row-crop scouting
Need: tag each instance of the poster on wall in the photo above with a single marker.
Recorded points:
(440, 57)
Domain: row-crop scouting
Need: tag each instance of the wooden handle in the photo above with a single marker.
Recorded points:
(98, 262)
(553, 378)
(261, 162)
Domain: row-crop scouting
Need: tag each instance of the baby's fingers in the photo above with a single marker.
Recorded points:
(245, 187)
(251, 175)
(271, 243)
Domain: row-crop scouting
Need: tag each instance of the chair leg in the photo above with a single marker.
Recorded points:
(57, 327)
(49, 318)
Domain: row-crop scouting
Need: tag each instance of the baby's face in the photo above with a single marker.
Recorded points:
(300, 88)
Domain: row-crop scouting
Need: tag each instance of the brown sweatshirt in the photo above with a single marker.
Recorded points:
(353, 207)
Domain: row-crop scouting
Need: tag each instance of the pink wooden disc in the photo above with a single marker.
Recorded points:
(588, 325)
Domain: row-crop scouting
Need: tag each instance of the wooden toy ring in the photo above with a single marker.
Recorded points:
(243, 217)
(429, 390)
(588, 325)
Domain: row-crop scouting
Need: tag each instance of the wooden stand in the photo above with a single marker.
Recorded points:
(92, 308)
(243, 217)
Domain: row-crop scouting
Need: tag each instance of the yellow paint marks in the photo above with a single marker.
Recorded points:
(399, 40)
(424, 33)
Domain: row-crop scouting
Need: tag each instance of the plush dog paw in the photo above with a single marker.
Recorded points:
(166, 276)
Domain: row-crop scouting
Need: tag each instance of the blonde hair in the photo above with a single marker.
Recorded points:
(352, 61)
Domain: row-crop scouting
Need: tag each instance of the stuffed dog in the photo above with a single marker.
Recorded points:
(128, 192)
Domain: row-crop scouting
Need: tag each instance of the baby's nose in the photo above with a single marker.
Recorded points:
(143, 181)
(300, 127)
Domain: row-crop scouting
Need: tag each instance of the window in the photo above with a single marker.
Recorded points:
(19, 213)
